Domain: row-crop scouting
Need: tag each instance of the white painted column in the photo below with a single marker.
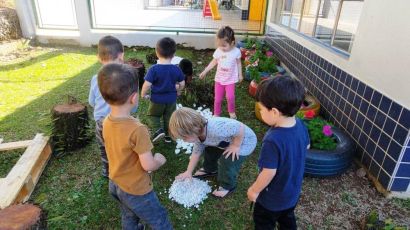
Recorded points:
(84, 22)
(25, 12)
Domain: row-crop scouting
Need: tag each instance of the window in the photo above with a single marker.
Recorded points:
(56, 14)
(295, 16)
(285, 14)
(326, 20)
(332, 22)
(347, 24)
(310, 10)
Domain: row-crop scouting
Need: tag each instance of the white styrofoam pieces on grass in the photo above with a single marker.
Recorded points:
(189, 193)
(185, 146)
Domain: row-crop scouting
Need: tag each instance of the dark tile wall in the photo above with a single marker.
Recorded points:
(379, 125)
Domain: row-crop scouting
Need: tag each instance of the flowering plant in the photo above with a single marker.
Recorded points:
(320, 132)
(261, 62)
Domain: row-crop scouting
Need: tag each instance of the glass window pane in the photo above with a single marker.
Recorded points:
(326, 20)
(56, 14)
(296, 10)
(309, 17)
(347, 25)
(285, 14)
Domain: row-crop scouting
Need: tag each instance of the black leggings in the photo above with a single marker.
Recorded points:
(266, 219)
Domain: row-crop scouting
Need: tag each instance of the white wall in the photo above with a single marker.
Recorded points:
(380, 55)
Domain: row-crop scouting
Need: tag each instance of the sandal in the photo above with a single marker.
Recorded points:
(204, 174)
(221, 189)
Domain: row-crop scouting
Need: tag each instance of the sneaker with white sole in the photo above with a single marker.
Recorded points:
(159, 134)
(168, 139)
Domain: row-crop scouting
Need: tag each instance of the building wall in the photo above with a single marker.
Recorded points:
(364, 92)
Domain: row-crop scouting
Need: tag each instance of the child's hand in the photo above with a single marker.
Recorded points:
(252, 196)
(184, 175)
(158, 157)
(202, 75)
(232, 150)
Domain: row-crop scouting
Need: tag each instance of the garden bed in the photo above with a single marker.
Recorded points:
(75, 196)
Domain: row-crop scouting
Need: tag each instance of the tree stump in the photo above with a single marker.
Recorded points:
(70, 129)
(22, 216)
(139, 67)
(151, 58)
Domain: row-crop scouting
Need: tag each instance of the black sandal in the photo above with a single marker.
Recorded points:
(205, 175)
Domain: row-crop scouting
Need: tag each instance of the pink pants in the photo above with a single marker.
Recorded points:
(219, 97)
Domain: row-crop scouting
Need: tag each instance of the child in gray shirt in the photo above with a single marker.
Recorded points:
(225, 142)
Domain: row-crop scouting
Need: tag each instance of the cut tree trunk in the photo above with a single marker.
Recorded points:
(139, 68)
(70, 127)
(22, 216)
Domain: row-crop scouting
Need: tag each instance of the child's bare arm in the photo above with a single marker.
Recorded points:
(239, 64)
(145, 88)
(210, 66)
(150, 162)
(181, 85)
(263, 180)
(235, 146)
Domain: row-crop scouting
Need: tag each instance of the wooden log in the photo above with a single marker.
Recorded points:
(14, 145)
(140, 69)
(22, 216)
(70, 127)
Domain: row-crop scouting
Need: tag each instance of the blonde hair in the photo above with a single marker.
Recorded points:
(186, 122)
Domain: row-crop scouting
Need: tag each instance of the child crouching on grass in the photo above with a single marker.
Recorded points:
(281, 162)
(128, 146)
(226, 143)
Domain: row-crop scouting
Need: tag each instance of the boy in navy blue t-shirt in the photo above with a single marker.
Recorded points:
(282, 158)
(164, 79)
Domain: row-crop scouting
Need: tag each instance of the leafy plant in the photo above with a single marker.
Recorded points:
(261, 62)
(200, 92)
(320, 132)
(373, 222)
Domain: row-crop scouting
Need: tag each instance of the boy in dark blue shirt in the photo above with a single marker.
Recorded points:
(164, 79)
(282, 158)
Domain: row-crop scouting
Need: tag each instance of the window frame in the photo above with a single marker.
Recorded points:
(313, 37)
(41, 25)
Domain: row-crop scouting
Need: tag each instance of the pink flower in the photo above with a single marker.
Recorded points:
(327, 130)
(309, 114)
(269, 53)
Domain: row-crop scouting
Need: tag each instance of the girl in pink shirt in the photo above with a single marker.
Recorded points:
(228, 72)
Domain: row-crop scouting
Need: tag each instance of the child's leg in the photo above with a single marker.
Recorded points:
(228, 171)
(211, 156)
(169, 109)
(128, 218)
(230, 97)
(287, 219)
(219, 96)
(149, 209)
(155, 112)
(101, 146)
(264, 218)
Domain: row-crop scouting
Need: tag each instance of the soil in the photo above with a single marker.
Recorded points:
(343, 202)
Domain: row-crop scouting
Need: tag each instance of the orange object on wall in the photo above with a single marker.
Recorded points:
(257, 10)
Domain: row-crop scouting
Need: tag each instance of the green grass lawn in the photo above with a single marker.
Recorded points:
(75, 196)
(71, 189)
